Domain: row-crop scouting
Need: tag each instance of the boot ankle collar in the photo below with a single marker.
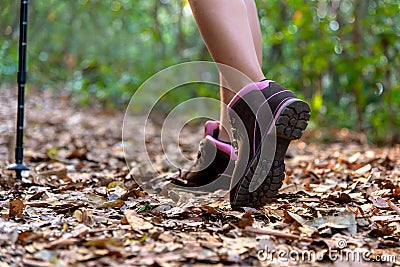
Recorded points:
(247, 89)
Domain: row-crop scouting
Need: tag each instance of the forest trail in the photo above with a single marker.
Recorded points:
(81, 206)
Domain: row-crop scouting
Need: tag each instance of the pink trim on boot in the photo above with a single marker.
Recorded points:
(210, 127)
(224, 147)
(247, 89)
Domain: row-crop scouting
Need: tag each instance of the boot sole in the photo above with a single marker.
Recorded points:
(289, 125)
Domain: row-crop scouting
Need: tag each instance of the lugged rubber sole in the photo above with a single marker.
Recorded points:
(293, 120)
(289, 125)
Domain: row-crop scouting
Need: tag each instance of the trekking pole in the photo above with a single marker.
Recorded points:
(18, 166)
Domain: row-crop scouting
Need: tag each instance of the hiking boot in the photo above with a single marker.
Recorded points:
(265, 117)
(214, 164)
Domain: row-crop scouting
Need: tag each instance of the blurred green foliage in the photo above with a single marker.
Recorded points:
(341, 55)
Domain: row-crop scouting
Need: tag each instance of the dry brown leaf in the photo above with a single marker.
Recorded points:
(33, 262)
(354, 157)
(61, 242)
(385, 218)
(246, 220)
(379, 202)
(36, 196)
(80, 215)
(80, 230)
(295, 217)
(114, 184)
(16, 208)
(393, 206)
(112, 204)
(28, 237)
(344, 220)
(287, 217)
(134, 193)
(111, 244)
(173, 195)
(77, 154)
(166, 237)
(136, 222)
(363, 169)
(210, 209)
(386, 230)
(344, 198)
(57, 169)
(396, 193)
(42, 204)
(124, 221)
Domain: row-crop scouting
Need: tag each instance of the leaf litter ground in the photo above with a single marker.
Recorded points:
(80, 205)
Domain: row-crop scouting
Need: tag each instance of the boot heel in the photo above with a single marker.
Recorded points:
(293, 120)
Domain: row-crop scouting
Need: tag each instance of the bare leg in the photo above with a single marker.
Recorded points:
(252, 15)
(254, 44)
(226, 95)
(226, 31)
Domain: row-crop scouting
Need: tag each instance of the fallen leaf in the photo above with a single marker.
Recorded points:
(295, 217)
(393, 206)
(34, 262)
(144, 208)
(385, 218)
(80, 230)
(4, 264)
(77, 154)
(396, 193)
(118, 203)
(354, 157)
(136, 222)
(166, 237)
(57, 169)
(134, 193)
(36, 196)
(28, 237)
(61, 242)
(111, 244)
(364, 169)
(114, 184)
(344, 220)
(162, 208)
(246, 220)
(80, 215)
(383, 231)
(210, 209)
(344, 198)
(16, 208)
(173, 195)
(307, 230)
(379, 202)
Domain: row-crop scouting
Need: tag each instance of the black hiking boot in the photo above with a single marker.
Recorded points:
(265, 117)
(214, 164)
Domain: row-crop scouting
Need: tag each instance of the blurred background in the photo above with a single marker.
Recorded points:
(343, 56)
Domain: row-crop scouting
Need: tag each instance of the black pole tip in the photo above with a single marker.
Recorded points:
(18, 168)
